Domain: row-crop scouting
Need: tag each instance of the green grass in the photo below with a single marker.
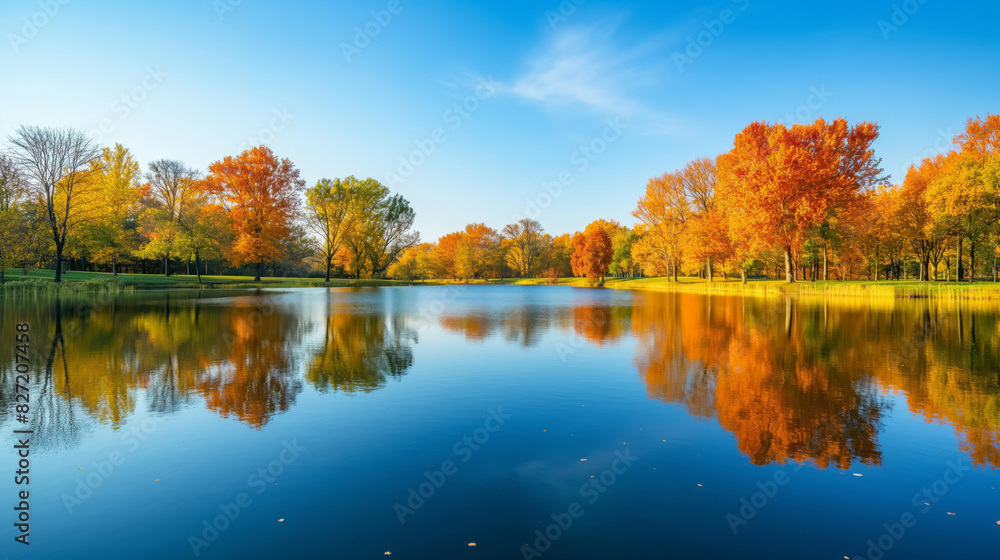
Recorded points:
(849, 288)
(37, 281)
(40, 282)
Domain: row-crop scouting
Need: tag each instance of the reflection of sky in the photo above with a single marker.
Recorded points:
(365, 449)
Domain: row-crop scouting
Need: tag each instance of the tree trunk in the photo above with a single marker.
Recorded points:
(826, 269)
(708, 270)
(166, 264)
(329, 261)
(743, 276)
(958, 264)
(788, 266)
(972, 261)
(260, 269)
(59, 251)
(197, 265)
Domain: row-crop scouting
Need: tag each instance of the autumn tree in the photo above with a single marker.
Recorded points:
(445, 253)
(330, 216)
(914, 217)
(413, 263)
(964, 195)
(57, 164)
(781, 183)
(13, 190)
(115, 182)
(664, 209)
(261, 194)
(171, 186)
(382, 228)
(523, 240)
(592, 251)
(963, 199)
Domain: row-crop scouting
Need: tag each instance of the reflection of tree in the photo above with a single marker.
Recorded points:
(256, 378)
(944, 358)
(600, 324)
(361, 350)
(474, 326)
(525, 324)
(761, 375)
(238, 356)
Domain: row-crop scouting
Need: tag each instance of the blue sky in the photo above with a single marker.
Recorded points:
(601, 95)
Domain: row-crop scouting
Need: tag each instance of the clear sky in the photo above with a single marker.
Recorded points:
(604, 95)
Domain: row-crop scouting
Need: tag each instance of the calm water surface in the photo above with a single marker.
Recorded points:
(534, 422)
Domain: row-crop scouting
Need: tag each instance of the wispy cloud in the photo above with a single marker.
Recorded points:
(589, 68)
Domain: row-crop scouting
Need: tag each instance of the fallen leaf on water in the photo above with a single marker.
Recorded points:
(157, 480)
(699, 485)
(950, 513)
(387, 553)
(998, 522)
(858, 474)
(472, 544)
(583, 459)
(280, 520)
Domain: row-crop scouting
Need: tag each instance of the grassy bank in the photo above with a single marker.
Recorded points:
(849, 288)
(41, 281)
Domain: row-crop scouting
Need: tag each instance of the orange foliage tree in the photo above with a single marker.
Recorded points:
(782, 183)
(592, 251)
(261, 194)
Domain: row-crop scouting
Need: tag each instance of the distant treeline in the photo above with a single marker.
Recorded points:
(808, 201)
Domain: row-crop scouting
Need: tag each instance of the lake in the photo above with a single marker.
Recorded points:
(534, 422)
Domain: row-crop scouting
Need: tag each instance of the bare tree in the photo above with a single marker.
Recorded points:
(57, 162)
(172, 186)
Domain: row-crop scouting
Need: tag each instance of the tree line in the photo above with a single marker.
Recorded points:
(64, 199)
(802, 202)
(811, 202)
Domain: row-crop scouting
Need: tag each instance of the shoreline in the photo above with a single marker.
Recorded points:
(82, 283)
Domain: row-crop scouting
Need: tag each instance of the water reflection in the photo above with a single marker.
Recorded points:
(804, 379)
(792, 379)
(361, 348)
